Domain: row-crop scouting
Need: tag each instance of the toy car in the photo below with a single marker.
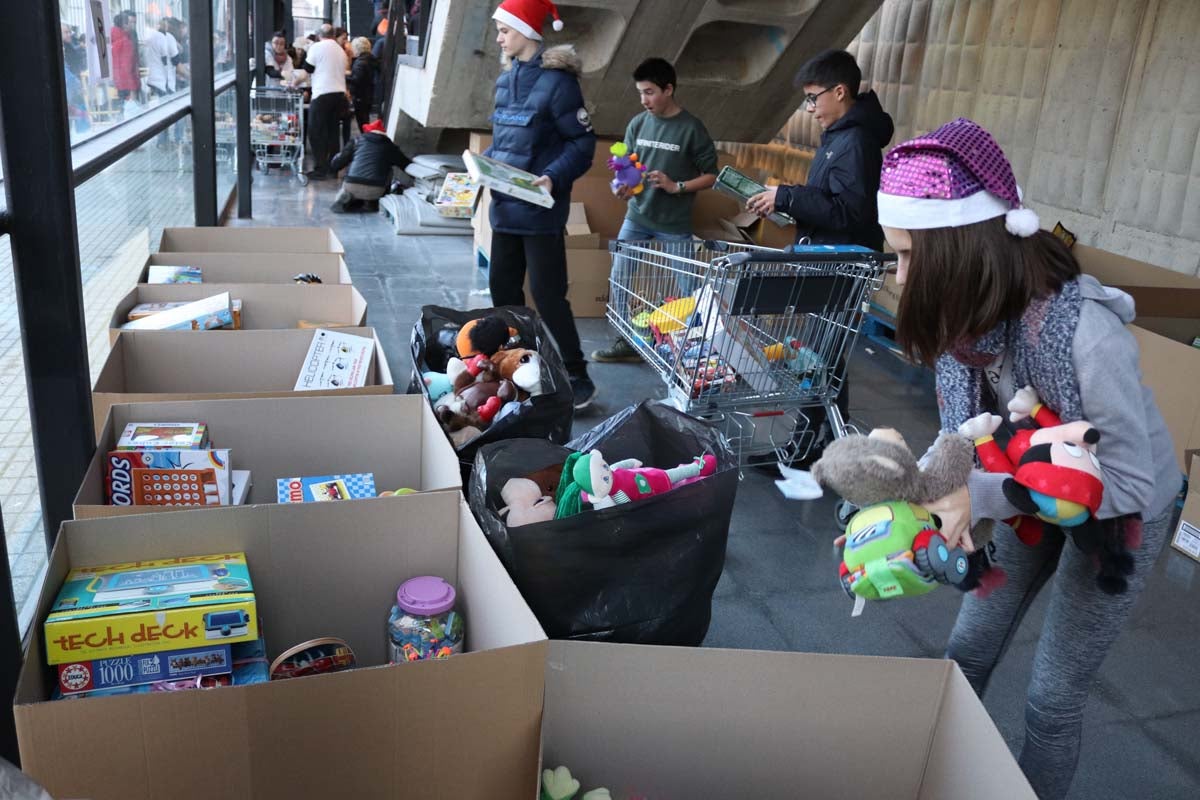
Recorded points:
(897, 550)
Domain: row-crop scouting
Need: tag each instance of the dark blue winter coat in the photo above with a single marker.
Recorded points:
(541, 126)
(838, 203)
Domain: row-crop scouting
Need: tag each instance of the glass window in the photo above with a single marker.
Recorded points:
(120, 214)
(226, 124)
(118, 62)
(223, 38)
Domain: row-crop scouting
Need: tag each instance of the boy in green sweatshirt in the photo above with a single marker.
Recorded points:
(680, 160)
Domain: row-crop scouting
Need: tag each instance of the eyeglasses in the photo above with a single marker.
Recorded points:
(810, 100)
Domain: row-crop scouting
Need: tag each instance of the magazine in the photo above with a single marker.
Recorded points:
(500, 177)
(742, 188)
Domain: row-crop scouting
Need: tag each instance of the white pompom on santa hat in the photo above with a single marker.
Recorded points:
(528, 16)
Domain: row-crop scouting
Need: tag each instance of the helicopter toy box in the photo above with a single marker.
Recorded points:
(151, 606)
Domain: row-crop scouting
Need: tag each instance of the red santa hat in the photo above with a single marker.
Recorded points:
(527, 16)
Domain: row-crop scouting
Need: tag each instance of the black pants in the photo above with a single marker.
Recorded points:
(545, 257)
(324, 116)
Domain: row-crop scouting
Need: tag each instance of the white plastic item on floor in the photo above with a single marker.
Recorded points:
(412, 215)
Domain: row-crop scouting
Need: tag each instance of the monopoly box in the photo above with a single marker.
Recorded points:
(149, 606)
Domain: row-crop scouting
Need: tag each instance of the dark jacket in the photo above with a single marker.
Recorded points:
(371, 158)
(361, 80)
(541, 126)
(838, 205)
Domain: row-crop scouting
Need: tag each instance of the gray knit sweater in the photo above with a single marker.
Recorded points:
(1136, 453)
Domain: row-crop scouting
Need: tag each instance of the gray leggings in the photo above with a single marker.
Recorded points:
(1081, 625)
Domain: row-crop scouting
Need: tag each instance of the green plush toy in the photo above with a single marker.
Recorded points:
(557, 784)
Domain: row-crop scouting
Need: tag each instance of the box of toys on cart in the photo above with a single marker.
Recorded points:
(151, 606)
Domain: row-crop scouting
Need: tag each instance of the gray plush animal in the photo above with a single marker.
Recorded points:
(880, 467)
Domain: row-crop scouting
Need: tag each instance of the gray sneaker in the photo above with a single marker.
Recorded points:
(621, 351)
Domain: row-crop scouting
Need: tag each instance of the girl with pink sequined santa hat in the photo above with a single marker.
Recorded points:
(1000, 310)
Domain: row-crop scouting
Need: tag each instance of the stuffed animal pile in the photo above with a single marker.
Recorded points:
(488, 379)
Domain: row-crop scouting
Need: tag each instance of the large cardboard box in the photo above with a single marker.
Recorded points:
(1187, 535)
(464, 727)
(396, 437)
(250, 240)
(159, 366)
(265, 306)
(255, 267)
(680, 722)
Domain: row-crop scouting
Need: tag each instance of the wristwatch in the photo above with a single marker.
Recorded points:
(681, 186)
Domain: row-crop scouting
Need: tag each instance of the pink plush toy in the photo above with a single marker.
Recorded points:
(524, 503)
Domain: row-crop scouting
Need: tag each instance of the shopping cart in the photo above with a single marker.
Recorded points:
(277, 129)
(748, 337)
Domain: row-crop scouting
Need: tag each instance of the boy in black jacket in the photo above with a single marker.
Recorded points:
(837, 204)
(371, 158)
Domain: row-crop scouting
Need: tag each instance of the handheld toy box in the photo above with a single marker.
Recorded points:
(168, 477)
(151, 606)
(163, 436)
(122, 671)
(323, 488)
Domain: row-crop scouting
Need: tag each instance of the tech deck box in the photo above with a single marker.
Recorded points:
(163, 436)
(127, 471)
(121, 672)
(323, 488)
(149, 606)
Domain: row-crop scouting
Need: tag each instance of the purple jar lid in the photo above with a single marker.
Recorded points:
(425, 596)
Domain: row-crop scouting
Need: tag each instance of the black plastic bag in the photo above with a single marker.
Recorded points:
(641, 572)
(547, 416)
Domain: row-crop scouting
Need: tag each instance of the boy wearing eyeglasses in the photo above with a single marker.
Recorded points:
(837, 204)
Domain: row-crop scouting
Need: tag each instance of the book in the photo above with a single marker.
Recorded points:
(147, 309)
(133, 474)
(163, 436)
(457, 197)
(335, 361)
(500, 177)
(200, 315)
(161, 273)
(323, 488)
(741, 188)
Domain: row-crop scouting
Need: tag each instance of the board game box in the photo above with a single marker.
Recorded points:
(161, 273)
(167, 471)
(457, 197)
(324, 488)
(151, 606)
(200, 315)
(335, 361)
(123, 671)
(163, 436)
(147, 309)
(500, 177)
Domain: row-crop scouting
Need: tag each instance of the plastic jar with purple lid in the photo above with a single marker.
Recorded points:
(423, 623)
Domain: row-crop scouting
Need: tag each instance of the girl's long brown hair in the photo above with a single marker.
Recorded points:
(964, 281)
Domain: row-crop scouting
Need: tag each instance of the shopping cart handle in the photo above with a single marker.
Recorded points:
(810, 254)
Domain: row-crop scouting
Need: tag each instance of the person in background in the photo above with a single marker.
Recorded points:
(183, 62)
(299, 49)
(123, 46)
(837, 203)
(326, 64)
(540, 125)
(371, 158)
(280, 65)
(162, 54)
(681, 160)
(343, 39)
(363, 74)
(998, 308)
(135, 38)
(380, 20)
(74, 55)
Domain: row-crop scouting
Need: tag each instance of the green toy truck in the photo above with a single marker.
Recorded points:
(896, 550)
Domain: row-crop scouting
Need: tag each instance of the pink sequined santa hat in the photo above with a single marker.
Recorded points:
(956, 175)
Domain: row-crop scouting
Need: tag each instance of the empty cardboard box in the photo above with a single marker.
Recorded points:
(254, 267)
(395, 437)
(249, 240)
(647, 721)
(264, 306)
(466, 726)
(159, 366)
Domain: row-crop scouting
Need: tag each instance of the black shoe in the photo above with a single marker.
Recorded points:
(620, 352)
(584, 391)
(318, 175)
(371, 206)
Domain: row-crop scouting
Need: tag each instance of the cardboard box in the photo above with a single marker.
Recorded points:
(682, 722)
(249, 240)
(159, 366)
(264, 306)
(318, 570)
(1187, 536)
(255, 267)
(395, 437)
